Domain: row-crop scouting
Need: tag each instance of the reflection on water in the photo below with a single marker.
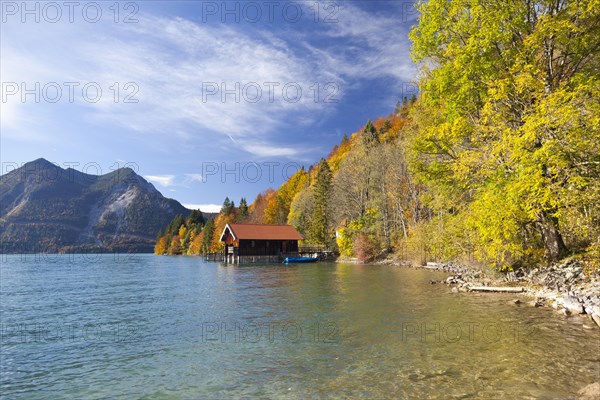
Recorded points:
(176, 327)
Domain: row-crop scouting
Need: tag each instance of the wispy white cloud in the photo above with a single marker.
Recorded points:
(376, 44)
(175, 65)
(173, 62)
(212, 208)
(162, 180)
(265, 150)
(193, 177)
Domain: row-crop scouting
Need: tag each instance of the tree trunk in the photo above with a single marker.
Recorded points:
(553, 242)
(385, 214)
(400, 216)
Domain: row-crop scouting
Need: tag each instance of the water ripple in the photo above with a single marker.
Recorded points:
(177, 328)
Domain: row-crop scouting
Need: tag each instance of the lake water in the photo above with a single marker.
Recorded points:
(154, 327)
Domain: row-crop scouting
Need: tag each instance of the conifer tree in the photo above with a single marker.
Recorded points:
(319, 229)
(243, 208)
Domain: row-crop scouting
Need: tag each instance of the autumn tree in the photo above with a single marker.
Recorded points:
(507, 121)
(219, 225)
(301, 211)
(183, 235)
(351, 188)
(196, 242)
(175, 246)
(272, 209)
(257, 208)
(375, 180)
(161, 246)
(278, 206)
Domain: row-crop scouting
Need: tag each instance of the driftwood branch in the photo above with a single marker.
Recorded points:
(508, 289)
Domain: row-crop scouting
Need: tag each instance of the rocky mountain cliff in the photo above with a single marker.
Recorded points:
(45, 208)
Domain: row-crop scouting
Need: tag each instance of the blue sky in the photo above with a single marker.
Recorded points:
(203, 99)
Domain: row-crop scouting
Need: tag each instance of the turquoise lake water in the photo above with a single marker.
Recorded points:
(151, 327)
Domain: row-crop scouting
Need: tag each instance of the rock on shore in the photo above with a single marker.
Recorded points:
(590, 392)
(563, 286)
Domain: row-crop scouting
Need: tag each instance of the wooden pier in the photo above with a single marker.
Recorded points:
(320, 252)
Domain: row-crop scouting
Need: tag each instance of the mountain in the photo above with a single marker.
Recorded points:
(45, 208)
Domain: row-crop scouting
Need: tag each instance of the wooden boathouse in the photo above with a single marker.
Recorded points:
(259, 242)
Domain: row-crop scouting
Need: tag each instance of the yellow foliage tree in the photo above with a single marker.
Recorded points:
(161, 246)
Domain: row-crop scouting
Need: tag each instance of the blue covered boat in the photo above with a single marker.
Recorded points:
(289, 260)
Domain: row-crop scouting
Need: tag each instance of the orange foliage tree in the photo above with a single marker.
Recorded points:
(220, 221)
(278, 205)
(257, 208)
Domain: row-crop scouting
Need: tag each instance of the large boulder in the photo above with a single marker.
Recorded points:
(572, 304)
(590, 392)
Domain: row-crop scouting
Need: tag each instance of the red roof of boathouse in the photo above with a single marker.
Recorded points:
(262, 232)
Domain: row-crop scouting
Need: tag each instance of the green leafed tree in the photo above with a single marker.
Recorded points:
(507, 124)
(195, 217)
(208, 233)
(227, 207)
(243, 210)
(320, 222)
(174, 225)
(369, 135)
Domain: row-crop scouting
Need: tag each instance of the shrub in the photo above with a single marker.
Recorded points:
(365, 248)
